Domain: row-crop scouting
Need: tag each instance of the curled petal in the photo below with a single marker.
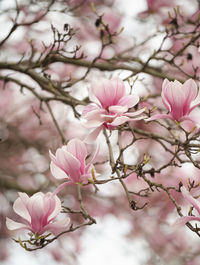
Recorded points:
(61, 186)
(135, 113)
(129, 101)
(89, 108)
(119, 120)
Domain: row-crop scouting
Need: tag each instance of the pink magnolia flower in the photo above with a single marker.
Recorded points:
(179, 99)
(37, 213)
(110, 107)
(69, 162)
(195, 203)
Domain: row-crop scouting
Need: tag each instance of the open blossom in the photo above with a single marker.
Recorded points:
(179, 99)
(69, 162)
(37, 213)
(110, 107)
(195, 203)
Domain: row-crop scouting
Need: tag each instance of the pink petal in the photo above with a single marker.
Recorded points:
(195, 102)
(57, 172)
(78, 149)
(109, 92)
(57, 226)
(188, 118)
(190, 92)
(119, 120)
(190, 199)
(118, 109)
(94, 114)
(94, 118)
(61, 186)
(175, 98)
(55, 207)
(165, 85)
(89, 165)
(12, 225)
(135, 113)
(129, 101)
(37, 211)
(53, 158)
(95, 153)
(107, 117)
(20, 208)
(89, 108)
(119, 90)
(94, 123)
(70, 164)
(115, 90)
(49, 203)
(93, 135)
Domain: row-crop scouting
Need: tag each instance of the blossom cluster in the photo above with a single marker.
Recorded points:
(110, 107)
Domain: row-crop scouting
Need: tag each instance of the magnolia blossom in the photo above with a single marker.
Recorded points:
(195, 203)
(37, 213)
(110, 107)
(179, 99)
(69, 162)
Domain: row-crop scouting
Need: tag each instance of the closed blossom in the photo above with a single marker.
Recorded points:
(179, 99)
(69, 162)
(37, 214)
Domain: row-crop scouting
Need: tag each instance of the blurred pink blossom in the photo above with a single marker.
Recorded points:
(110, 107)
(155, 6)
(69, 162)
(179, 99)
(37, 213)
